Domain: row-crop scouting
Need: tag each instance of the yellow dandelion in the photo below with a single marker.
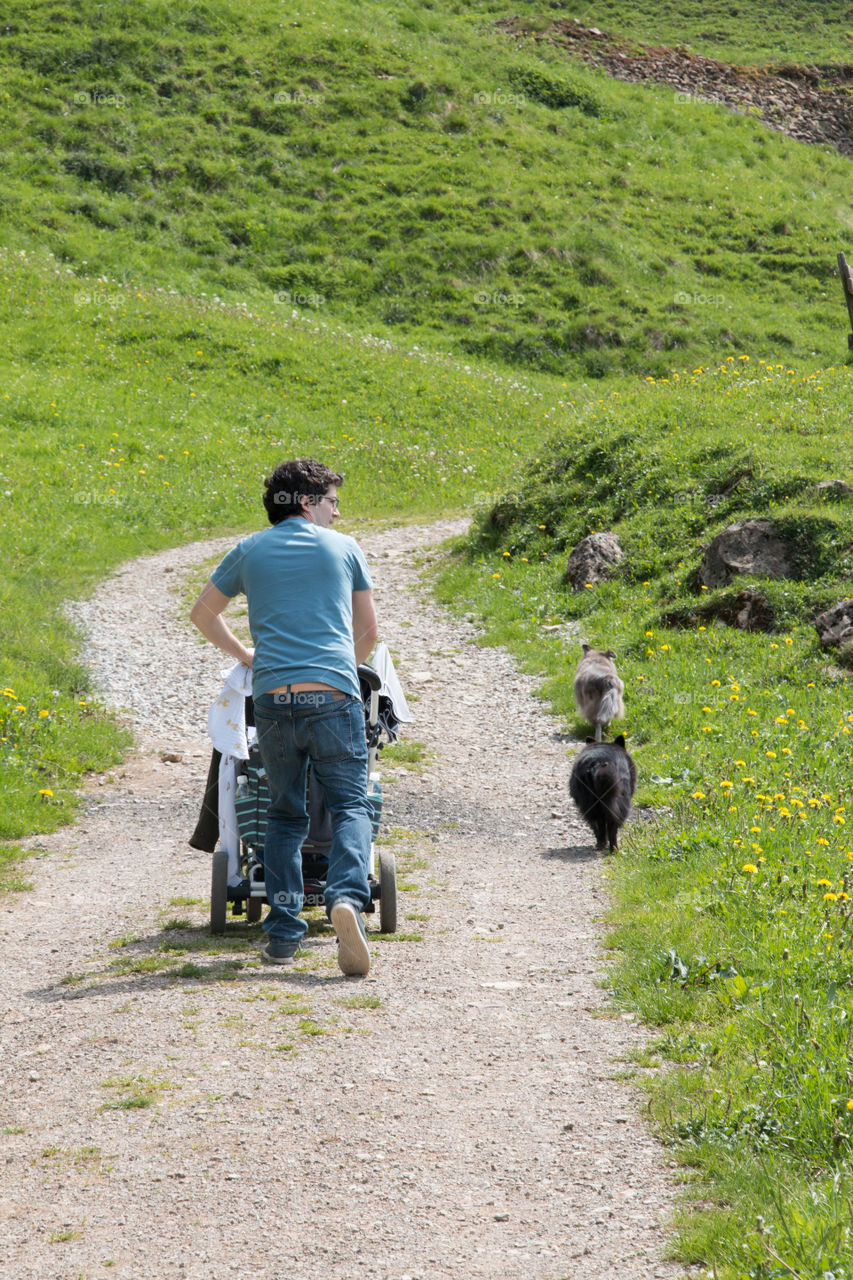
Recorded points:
(750, 868)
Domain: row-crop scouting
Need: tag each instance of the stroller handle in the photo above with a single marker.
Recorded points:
(371, 678)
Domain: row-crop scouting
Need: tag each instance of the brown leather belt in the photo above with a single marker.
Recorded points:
(308, 687)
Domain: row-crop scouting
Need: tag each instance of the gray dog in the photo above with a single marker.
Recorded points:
(598, 689)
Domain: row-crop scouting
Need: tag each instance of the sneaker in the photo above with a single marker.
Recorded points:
(276, 952)
(353, 955)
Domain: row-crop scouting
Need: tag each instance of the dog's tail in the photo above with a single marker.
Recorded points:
(610, 708)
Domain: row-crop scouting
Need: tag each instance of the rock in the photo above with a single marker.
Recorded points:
(835, 627)
(749, 547)
(834, 490)
(753, 613)
(593, 559)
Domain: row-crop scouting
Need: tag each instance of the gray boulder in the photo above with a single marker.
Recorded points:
(593, 560)
(750, 547)
(835, 627)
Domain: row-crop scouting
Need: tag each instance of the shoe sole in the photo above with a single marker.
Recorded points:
(353, 953)
(268, 959)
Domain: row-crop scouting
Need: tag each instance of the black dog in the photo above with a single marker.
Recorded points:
(602, 783)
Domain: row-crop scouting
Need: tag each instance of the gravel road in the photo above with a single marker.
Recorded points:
(174, 1109)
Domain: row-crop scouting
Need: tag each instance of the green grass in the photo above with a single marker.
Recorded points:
(136, 1092)
(419, 172)
(407, 753)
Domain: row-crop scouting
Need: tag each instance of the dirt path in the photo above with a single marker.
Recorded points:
(174, 1109)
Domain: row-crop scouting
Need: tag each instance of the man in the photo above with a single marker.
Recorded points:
(312, 620)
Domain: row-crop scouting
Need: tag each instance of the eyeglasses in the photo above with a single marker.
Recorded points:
(334, 502)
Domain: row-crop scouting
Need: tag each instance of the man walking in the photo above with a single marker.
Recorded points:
(312, 621)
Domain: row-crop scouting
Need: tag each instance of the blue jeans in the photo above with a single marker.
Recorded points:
(328, 731)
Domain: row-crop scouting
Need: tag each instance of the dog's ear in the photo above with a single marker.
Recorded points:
(620, 741)
(610, 654)
(586, 649)
(590, 742)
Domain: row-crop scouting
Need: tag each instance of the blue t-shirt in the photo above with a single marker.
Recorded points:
(298, 579)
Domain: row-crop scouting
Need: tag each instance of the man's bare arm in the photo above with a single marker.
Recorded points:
(365, 631)
(205, 615)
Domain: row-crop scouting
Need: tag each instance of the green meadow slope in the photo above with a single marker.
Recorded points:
(413, 169)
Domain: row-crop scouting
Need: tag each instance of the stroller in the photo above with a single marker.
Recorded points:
(242, 886)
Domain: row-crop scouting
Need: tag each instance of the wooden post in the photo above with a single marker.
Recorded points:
(847, 285)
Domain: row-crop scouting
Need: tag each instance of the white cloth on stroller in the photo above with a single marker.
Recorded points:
(226, 719)
(391, 687)
(226, 724)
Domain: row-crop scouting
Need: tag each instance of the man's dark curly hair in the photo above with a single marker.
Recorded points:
(303, 477)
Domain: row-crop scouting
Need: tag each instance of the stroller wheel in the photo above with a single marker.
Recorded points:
(218, 891)
(387, 892)
(254, 909)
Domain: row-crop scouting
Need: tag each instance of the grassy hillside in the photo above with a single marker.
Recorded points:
(410, 168)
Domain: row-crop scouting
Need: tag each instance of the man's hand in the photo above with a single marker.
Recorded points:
(205, 614)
